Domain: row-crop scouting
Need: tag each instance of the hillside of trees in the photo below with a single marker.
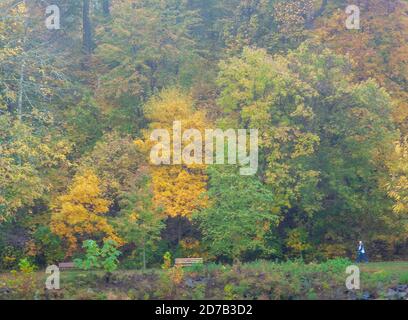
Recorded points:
(78, 105)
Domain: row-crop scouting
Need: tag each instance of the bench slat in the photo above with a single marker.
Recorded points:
(189, 259)
(66, 265)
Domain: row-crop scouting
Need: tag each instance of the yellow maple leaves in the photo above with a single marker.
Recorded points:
(79, 214)
(178, 189)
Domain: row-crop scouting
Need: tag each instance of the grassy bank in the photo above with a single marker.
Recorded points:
(257, 280)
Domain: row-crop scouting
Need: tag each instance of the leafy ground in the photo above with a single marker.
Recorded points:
(257, 280)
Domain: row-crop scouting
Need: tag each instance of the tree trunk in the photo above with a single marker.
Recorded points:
(179, 230)
(20, 91)
(317, 14)
(22, 73)
(87, 27)
(144, 256)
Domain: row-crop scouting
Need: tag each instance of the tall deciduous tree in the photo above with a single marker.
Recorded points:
(258, 91)
(354, 124)
(178, 188)
(324, 137)
(28, 160)
(242, 215)
(139, 223)
(80, 214)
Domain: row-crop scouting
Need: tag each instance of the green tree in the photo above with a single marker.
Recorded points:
(324, 138)
(242, 214)
(96, 257)
(260, 91)
(354, 124)
(139, 223)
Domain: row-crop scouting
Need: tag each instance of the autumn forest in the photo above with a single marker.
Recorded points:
(83, 87)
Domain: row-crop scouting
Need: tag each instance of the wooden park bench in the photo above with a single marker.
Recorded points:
(188, 262)
(66, 265)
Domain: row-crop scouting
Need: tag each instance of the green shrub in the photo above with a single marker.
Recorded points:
(105, 258)
(23, 282)
(166, 261)
(25, 266)
(109, 255)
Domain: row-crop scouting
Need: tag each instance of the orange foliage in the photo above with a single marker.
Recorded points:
(177, 189)
(379, 50)
(79, 214)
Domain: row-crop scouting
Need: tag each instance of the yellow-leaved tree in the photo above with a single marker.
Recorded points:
(398, 186)
(178, 189)
(79, 215)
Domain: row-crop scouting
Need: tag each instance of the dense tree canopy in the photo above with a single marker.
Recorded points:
(78, 107)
